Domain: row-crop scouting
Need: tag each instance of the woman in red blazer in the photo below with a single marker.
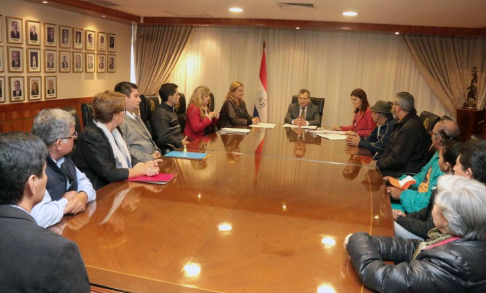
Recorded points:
(199, 120)
(363, 123)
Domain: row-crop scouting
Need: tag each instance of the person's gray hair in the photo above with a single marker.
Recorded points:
(406, 101)
(448, 129)
(52, 124)
(462, 201)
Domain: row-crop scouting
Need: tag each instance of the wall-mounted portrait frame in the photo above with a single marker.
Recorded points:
(65, 61)
(50, 57)
(17, 89)
(34, 92)
(50, 35)
(111, 63)
(90, 62)
(15, 59)
(101, 63)
(2, 60)
(1, 28)
(78, 38)
(50, 86)
(65, 36)
(33, 58)
(102, 41)
(15, 33)
(33, 32)
(90, 40)
(78, 65)
(3, 89)
(111, 43)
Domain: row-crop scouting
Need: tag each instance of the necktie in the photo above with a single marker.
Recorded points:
(143, 125)
(302, 114)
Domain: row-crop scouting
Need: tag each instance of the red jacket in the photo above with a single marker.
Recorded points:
(195, 126)
(364, 125)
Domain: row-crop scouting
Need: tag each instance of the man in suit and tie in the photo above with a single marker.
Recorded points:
(303, 113)
(17, 91)
(90, 62)
(50, 35)
(137, 135)
(31, 255)
(50, 61)
(50, 89)
(65, 64)
(14, 34)
(33, 34)
(16, 59)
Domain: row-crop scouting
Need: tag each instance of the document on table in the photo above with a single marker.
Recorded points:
(235, 130)
(323, 131)
(295, 126)
(332, 136)
(263, 125)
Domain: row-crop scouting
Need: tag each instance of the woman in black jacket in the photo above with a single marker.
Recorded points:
(234, 112)
(451, 261)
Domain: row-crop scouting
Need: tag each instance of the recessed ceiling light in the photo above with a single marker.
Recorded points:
(45, 2)
(297, 28)
(103, 16)
(350, 13)
(397, 33)
(235, 9)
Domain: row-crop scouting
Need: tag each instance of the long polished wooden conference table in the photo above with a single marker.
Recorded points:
(252, 223)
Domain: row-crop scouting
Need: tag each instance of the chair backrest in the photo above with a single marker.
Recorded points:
(211, 103)
(148, 105)
(86, 113)
(319, 102)
(429, 120)
(181, 111)
(73, 112)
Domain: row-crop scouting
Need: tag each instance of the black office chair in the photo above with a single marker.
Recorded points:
(73, 112)
(181, 111)
(211, 103)
(319, 102)
(429, 120)
(86, 113)
(148, 105)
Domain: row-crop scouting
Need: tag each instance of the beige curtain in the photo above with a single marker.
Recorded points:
(157, 49)
(446, 63)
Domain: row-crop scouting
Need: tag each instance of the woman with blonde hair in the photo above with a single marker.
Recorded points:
(101, 151)
(234, 112)
(199, 120)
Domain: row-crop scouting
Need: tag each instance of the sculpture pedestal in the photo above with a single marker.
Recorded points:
(470, 122)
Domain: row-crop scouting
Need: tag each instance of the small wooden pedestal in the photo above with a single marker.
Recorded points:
(470, 122)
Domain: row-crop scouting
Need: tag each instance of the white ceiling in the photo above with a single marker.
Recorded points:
(441, 13)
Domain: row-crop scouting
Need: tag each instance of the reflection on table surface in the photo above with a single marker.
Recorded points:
(284, 142)
(256, 224)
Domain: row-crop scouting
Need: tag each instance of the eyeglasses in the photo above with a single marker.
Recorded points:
(393, 104)
(436, 134)
(74, 136)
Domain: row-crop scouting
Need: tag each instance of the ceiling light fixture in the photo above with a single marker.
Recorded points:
(103, 16)
(45, 2)
(397, 33)
(297, 28)
(350, 13)
(235, 9)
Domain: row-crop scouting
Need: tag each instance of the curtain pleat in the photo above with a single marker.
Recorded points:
(446, 63)
(157, 50)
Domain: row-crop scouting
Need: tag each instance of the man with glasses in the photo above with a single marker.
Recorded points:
(417, 196)
(406, 150)
(68, 190)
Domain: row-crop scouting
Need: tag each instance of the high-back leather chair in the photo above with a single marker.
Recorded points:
(211, 103)
(86, 113)
(181, 111)
(73, 112)
(148, 105)
(429, 120)
(319, 102)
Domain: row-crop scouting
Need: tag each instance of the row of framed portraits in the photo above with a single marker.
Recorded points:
(65, 61)
(35, 88)
(53, 35)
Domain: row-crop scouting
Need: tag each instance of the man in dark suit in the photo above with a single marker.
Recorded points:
(15, 59)
(33, 259)
(65, 64)
(33, 34)
(14, 34)
(17, 91)
(50, 35)
(303, 113)
(50, 89)
(50, 62)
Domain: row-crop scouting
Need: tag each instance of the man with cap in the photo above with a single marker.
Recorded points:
(376, 141)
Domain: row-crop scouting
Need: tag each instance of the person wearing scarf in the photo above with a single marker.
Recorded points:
(451, 260)
(101, 151)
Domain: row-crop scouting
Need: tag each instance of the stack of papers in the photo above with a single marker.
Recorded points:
(263, 125)
(157, 179)
(234, 131)
(332, 136)
(187, 155)
(323, 131)
(295, 126)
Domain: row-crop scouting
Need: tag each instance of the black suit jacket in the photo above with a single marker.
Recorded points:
(94, 157)
(33, 37)
(15, 35)
(14, 93)
(36, 260)
(311, 115)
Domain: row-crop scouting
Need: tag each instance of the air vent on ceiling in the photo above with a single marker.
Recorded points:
(290, 5)
(101, 3)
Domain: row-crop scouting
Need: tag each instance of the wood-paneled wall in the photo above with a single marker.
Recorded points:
(19, 117)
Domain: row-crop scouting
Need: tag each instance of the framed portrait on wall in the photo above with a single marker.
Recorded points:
(65, 36)
(90, 40)
(101, 65)
(1, 28)
(64, 61)
(14, 30)
(90, 62)
(111, 63)
(3, 89)
(50, 35)
(78, 62)
(50, 57)
(33, 60)
(102, 42)
(35, 88)
(17, 93)
(32, 32)
(15, 61)
(50, 86)
(111, 43)
(78, 39)
(2, 61)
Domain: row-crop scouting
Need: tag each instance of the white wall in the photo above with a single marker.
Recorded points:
(69, 85)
